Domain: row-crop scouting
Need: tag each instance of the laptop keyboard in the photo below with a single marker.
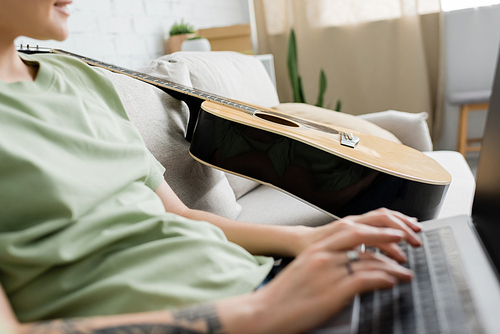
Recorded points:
(430, 303)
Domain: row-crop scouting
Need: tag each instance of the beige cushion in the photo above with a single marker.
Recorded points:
(162, 122)
(229, 74)
(410, 128)
(335, 119)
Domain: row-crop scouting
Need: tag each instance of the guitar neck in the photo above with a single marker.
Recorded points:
(160, 82)
(196, 93)
(185, 92)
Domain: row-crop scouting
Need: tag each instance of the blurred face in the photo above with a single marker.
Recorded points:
(38, 19)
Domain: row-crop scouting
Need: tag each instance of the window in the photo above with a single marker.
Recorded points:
(449, 5)
(344, 12)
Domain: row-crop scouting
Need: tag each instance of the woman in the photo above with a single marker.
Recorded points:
(89, 228)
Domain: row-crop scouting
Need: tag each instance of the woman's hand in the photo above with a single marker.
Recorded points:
(393, 219)
(322, 279)
(382, 218)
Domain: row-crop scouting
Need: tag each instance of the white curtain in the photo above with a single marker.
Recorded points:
(377, 54)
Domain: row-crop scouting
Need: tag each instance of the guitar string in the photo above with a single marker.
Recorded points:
(196, 92)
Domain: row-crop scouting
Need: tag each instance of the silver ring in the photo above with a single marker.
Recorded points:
(349, 268)
(353, 256)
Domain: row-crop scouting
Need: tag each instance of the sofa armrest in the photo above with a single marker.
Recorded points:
(460, 195)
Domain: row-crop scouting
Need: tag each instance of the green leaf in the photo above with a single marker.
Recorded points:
(302, 96)
(338, 106)
(293, 70)
(322, 89)
(180, 28)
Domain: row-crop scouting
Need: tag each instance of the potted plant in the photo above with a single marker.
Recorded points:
(179, 32)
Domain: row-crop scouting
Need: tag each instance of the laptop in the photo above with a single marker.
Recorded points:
(456, 287)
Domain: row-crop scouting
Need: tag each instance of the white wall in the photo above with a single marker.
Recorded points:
(130, 33)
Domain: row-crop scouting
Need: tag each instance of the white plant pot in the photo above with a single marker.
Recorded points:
(200, 44)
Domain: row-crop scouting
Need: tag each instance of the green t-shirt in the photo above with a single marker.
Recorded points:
(81, 230)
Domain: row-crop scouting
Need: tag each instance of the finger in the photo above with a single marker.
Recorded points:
(388, 218)
(410, 221)
(393, 251)
(363, 281)
(376, 261)
(393, 269)
(371, 256)
(392, 220)
(348, 239)
(340, 258)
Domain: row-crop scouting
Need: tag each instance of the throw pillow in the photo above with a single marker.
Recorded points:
(229, 74)
(410, 128)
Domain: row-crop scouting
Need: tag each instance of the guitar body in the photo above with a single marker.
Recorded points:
(334, 169)
(310, 163)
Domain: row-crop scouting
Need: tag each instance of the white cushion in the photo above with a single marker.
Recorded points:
(410, 128)
(162, 122)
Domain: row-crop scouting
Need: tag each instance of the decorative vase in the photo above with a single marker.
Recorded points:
(174, 43)
(198, 44)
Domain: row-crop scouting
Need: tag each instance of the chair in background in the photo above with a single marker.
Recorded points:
(468, 102)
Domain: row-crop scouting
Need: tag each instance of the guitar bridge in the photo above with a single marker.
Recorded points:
(348, 139)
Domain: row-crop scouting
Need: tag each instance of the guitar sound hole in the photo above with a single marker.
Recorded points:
(277, 120)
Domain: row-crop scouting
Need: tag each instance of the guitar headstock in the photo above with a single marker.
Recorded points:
(28, 49)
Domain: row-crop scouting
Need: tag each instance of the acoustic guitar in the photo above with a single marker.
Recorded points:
(337, 170)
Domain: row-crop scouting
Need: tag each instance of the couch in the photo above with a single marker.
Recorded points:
(162, 122)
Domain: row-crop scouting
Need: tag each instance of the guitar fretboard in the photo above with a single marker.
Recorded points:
(160, 82)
